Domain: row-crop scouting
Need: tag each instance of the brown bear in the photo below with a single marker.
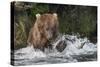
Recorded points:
(44, 30)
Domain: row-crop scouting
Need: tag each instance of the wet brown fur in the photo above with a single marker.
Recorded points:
(38, 35)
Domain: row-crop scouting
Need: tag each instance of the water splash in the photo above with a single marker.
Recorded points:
(75, 50)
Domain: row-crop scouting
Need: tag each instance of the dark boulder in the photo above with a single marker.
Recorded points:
(61, 46)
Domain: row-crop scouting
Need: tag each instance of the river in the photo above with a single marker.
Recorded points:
(77, 50)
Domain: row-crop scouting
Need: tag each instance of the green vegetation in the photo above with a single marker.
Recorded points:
(73, 19)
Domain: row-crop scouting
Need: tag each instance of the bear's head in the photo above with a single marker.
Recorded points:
(47, 25)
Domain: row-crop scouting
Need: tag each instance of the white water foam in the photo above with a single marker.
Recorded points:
(77, 46)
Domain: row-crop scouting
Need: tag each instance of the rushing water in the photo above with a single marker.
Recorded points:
(77, 50)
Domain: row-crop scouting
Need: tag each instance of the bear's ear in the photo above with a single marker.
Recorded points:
(38, 15)
(55, 14)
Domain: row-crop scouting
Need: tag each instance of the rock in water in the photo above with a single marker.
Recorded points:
(61, 46)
